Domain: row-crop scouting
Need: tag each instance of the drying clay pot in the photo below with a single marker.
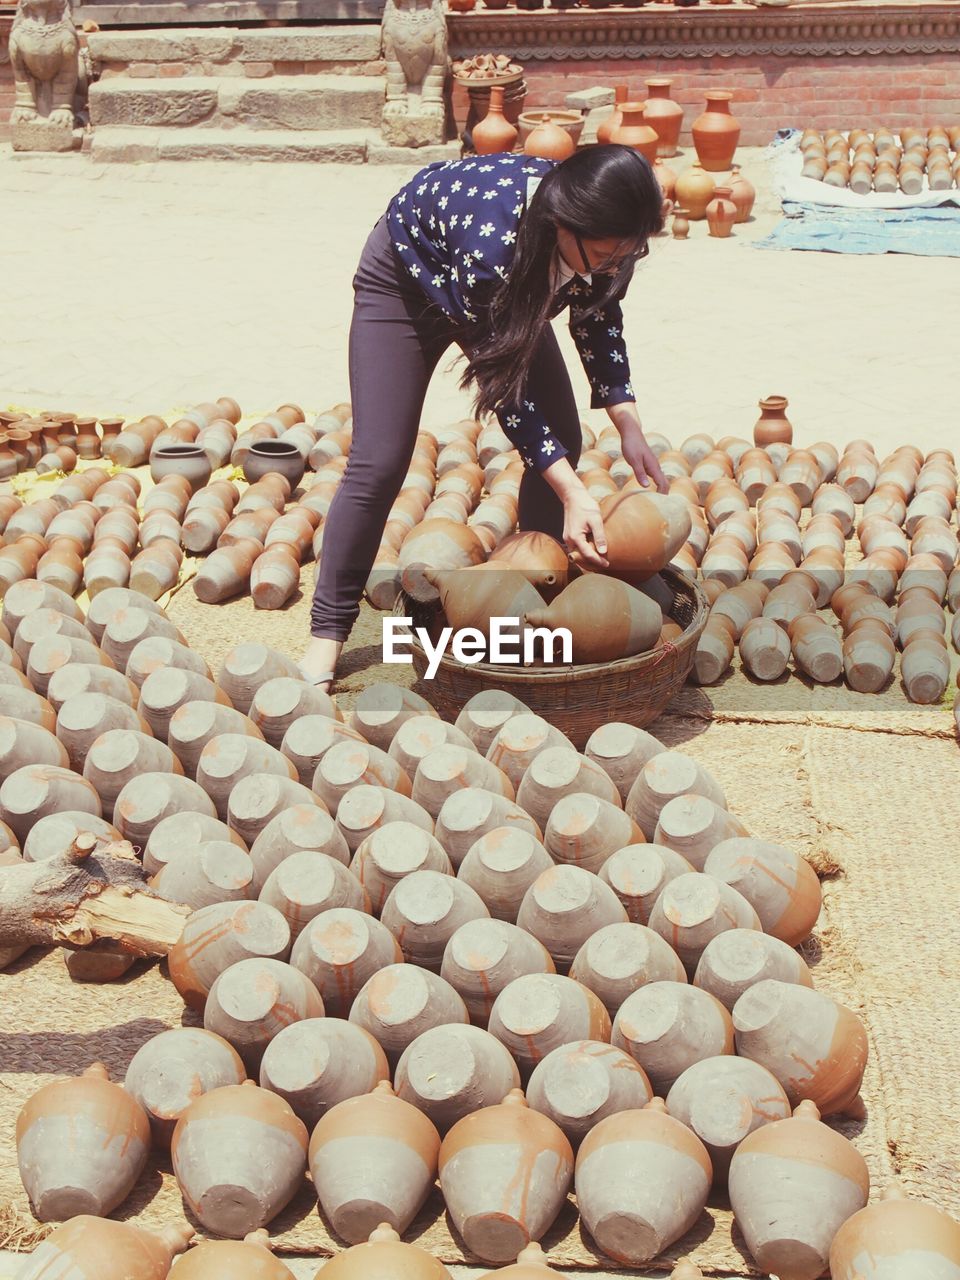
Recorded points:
(383, 1257)
(564, 906)
(638, 875)
(695, 908)
(82, 1144)
(367, 808)
(164, 691)
(400, 1002)
(34, 791)
(214, 871)
(578, 1084)
(252, 1001)
(620, 958)
(149, 798)
(423, 912)
(586, 830)
(520, 740)
(239, 1154)
(722, 1100)
(792, 1185)
(316, 1063)
(607, 619)
(339, 951)
(483, 956)
(381, 709)
(452, 1071)
(472, 812)
(230, 757)
(740, 958)
(173, 1069)
(232, 1260)
(537, 1013)
(448, 769)
(283, 702)
(668, 1026)
(815, 1047)
(297, 829)
(642, 1181)
(119, 755)
(185, 831)
(501, 866)
(484, 715)
(248, 666)
(307, 883)
(217, 937)
(781, 886)
(621, 750)
(662, 778)
(309, 738)
(89, 1248)
(693, 825)
(349, 764)
(373, 1159)
(897, 1238)
(504, 1174)
(391, 854)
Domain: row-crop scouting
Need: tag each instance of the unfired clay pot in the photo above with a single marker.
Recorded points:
(216, 937)
(373, 1159)
(90, 1248)
(383, 1257)
(452, 1071)
(578, 1084)
(173, 1069)
(239, 1154)
(897, 1239)
(504, 1174)
(81, 1146)
(232, 1260)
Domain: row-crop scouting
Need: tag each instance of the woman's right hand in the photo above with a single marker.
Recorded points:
(583, 527)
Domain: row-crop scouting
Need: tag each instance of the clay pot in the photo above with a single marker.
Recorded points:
(150, 797)
(121, 754)
(892, 1237)
(620, 958)
(538, 1012)
(187, 460)
(564, 906)
(451, 1071)
(80, 677)
(266, 457)
(664, 777)
(319, 1062)
(815, 1047)
(738, 959)
(485, 714)
(693, 909)
(693, 825)
(504, 1174)
(92, 1248)
(501, 865)
(721, 212)
(606, 127)
(400, 1002)
(642, 1180)
(667, 1026)
(298, 828)
(773, 426)
(680, 227)
(724, 1099)
(663, 115)
(607, 619)
(638, 874)
(253, 1000)
(549, 140)
(540, 558)
(483, 956)
(383, 1257)
(581, 1083)
(174, 1068)
(388, 855)
(494, 133)
(633, 131)
(716, 133)
(248, 666)
(792, 1185)
(239, 1154)
(226, 571)
(33, 791)
(743, 194)
(694, 191)
(81, 1146)
(232, 1260)
(781, 886)
(585, 830)
(229, 757)
(373, 1159)
(424, 910)
(307, 883)
(643, 531)
(471, 597)
(216, 937)
(366, 809)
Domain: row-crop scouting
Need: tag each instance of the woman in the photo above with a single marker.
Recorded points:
(483, 253)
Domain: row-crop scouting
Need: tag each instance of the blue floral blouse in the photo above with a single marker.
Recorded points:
(454, 226)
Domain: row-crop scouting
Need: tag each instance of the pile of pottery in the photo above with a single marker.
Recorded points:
(882, 161)
(483, 67)
(769, 531)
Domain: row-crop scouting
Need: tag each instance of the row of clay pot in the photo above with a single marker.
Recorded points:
(878, 163)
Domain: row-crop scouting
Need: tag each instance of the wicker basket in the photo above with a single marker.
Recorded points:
(577, 699)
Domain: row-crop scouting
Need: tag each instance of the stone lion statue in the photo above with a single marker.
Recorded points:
(49, 72)
(414, 36)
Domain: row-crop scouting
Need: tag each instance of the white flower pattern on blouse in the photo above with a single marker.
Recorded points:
(486, 211)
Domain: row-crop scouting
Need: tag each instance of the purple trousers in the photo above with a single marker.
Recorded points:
(396, 340)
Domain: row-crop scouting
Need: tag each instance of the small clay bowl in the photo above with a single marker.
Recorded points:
(186, 460)
(266, 456)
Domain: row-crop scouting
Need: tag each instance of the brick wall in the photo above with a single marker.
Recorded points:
(772, 92)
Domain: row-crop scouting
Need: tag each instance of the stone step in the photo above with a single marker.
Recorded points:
(234, 46)
(278, 102)
(334, 146)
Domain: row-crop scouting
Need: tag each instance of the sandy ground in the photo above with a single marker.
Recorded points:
(134, 289)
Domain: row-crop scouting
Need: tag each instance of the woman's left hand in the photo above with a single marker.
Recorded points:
(644, 461)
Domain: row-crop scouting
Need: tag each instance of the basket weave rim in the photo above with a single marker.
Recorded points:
(568, 672)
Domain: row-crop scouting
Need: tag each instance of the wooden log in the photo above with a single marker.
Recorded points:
(638, 875)
(339, 951)
(55, 835)
(620, 958)
(483, 956)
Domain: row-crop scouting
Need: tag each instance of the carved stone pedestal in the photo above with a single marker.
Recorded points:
(44, 135)
(407, 129)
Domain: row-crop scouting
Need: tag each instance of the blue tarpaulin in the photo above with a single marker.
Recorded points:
(922, 231)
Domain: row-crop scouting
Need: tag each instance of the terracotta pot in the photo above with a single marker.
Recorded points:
(373, 1159)
(607, 619)
(782, 887)
(494, 133)
(319, 1062)
(307, 883)
(452, 1071)
(549, 140)
(81, 1146)
(233, 1260)
(267, 457)
(253, 1000)
(793, 1184)
(538, 1012)
(181, 831)
(667, 1026)
(92, 1248)
(239, 1154)
(483, 956)
(149, 798)
(663, 115)
(621, 94)
(579, 1084)
(665, 776)
(187, 460)
(174, 1068)
(773, 426)
(642, 1180)
(400, 1002)
(501, 865)
(436, 544)
(681, 224)
(633, 131)
(219, 936)
(738, 959)
(383, 1257)
(721, 212)
(716, 133)
(33, 791)
(694, 191)
(893, 1236)
(229, 757)
(471, 597)
(638, 874)
(743, 193)
(504, 1174)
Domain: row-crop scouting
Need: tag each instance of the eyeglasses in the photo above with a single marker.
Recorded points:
(614, 262)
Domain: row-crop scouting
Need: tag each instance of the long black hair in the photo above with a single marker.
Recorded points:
(603, 192)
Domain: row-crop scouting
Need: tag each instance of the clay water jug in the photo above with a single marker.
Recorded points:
(663, 115)
(402, 1001)
(578, 1084)
(319, 1062)
(504, 1174)
(643, 530)
(792, 1186)
(539, 1012)
(216, 937)
(373, 1159)
(494, 133)
(896, 1237)
(540, 558)
(780, 885)
(249, 1259)
(549, 140)
(694, 191)
(621, 93)
(82, 1144)
(471, 597)
(91, 1248)
(239, 1154)
(743, 193)
(339, 951)
(642, 1180)
(173, 1069)
(721, 213)
(668, 1026)
(383, 1257)
(451, 1071)
(251, 1002)
(633, 131)
(716, 132)
(607, 619)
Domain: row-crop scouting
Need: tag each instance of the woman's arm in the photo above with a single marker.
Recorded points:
(637, 452)
(582, 522)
